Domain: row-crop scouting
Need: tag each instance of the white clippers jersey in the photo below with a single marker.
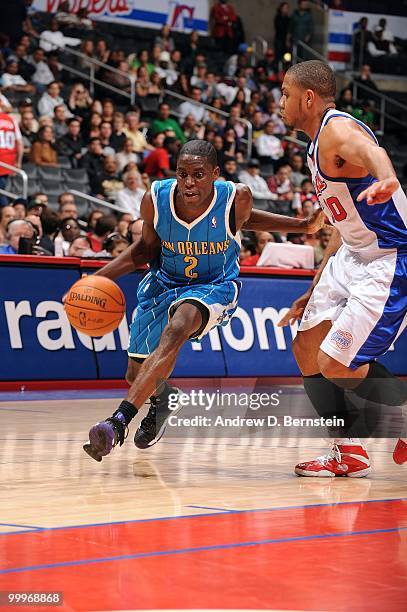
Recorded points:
(381, 226)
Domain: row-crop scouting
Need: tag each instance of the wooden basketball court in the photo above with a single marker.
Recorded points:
(191, 523)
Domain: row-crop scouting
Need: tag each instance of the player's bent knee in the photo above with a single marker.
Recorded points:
(130, 377)
(329, 367)
(132, 370)
(175, 334)
(300, 349)
(297, 346)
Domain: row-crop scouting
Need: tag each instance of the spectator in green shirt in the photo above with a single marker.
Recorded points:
(141, 59)
(365, 112)
(164, 122)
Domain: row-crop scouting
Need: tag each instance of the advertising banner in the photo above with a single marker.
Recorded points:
(181, 16)
(38, 343)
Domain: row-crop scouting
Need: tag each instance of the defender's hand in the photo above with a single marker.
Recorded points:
(296, 311)
(379, 192)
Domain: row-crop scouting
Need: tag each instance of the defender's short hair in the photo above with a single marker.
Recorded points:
(200, 148)
(315, 75)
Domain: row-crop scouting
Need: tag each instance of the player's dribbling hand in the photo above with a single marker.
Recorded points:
(63, 299)
(379, 192)
(296, 311)
(315, 222)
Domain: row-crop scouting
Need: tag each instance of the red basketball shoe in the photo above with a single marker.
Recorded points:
(400, 452)
(344, 459)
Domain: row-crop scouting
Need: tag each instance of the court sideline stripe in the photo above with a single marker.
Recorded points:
(205, 514)
(35, 527)
(228, 510)
(161, 553)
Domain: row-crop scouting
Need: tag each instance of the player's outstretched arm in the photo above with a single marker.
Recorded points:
(143, 251)
(262, 221)
(249, 218)
(345, 139)
(298, 306)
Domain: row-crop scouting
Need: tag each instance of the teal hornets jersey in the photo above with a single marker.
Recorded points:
(201, 252)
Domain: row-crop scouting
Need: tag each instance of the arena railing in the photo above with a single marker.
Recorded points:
(296, 141)
(92, 200)
(245, 122)
(91, 78)
(384, 101)
(261, 42)
(23, 175)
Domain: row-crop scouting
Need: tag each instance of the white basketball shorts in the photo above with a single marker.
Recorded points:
(365, 297)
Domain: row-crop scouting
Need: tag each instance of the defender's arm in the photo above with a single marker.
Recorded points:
(261, 220)
(345, 138)
(298, 306)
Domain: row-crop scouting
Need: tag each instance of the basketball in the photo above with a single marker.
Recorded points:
(95, 305)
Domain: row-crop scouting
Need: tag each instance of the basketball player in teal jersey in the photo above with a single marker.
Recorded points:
(191, 240)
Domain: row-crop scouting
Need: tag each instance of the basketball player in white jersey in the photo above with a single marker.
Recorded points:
(357, 305)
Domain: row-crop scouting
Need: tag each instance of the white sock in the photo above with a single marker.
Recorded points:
(348, 442)
(403, 434)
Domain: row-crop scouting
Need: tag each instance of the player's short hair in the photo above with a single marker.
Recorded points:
(200, 148)
(315, 75)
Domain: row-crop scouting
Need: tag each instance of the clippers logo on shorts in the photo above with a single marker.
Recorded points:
(342, 339)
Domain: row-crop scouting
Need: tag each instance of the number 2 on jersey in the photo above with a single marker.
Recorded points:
(336, 208)
(193, 262)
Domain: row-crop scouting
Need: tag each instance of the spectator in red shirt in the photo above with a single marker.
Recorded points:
(223, 17)
(157, 164)
(260, 240)
(307, 191)
(105, 225)
(280, 184)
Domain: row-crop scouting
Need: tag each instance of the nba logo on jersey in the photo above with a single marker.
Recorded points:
(213, 222)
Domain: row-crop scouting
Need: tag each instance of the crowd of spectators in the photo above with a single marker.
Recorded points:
(121, 147)
(379, 47)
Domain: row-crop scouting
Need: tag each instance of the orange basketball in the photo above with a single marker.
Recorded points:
(95, 305)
